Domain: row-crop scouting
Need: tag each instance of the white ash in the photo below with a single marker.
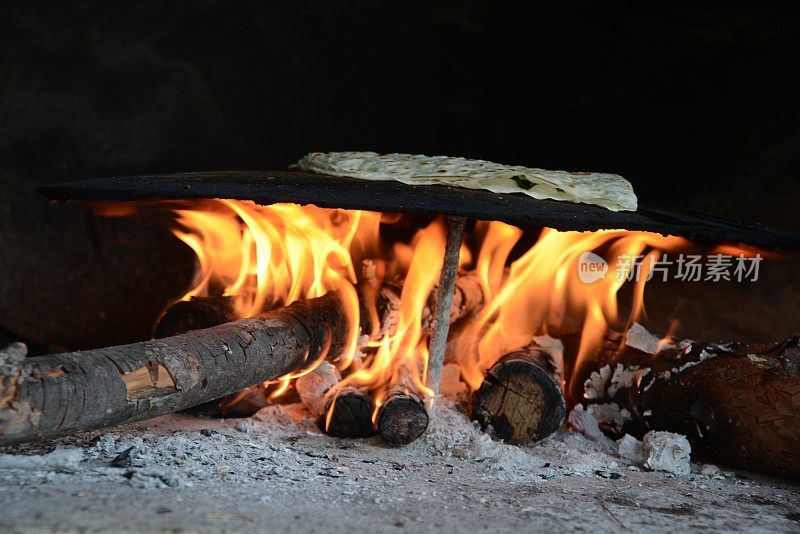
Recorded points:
(630, 449)
(638, 337)
(452, 435)
(57, 460)
(12, 356)
(625, 377)
(312, 387)
(191, 474)
(594, 388)
(709, 470)
(666, 451)
(756, 359)
(281, 443)
(663, 375)
(285, 419)
(583, 422)
(604, 384)
(724, 347)
(683, 367)
(703, 356)
(610, 414)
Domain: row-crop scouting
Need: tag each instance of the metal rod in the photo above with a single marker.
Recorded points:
(444, 301)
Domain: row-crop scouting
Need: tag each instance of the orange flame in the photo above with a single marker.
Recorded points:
(402, 358)
(267, 256)
(543, 289)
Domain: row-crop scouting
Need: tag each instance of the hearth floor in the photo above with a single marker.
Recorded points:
(277, 472)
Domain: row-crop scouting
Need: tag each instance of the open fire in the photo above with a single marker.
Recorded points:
(348, 312)
(509, 288)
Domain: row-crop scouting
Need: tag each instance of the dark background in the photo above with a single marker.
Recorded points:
(697, 107)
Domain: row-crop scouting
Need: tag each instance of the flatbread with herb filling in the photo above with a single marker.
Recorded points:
(610, 191)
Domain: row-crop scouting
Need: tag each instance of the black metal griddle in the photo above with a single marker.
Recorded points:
(267, 187)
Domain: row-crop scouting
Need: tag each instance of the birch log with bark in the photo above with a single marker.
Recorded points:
(195, 314)
(204, 312)
(47, 396)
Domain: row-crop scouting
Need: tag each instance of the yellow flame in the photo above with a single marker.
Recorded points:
(401, 359)
(267, 256)
(543, 290)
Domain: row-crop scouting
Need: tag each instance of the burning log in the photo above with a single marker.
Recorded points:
(520, 397)
(205, 312)
(468, 298)
(313, 387)
(195, 314)
(738, 404)
(351, 415)
(51, 395)
(402, 417)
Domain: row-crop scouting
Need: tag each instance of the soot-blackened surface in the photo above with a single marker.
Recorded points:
(267, 187)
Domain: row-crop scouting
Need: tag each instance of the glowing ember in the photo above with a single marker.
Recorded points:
(268, 256)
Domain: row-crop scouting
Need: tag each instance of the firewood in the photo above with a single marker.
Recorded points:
(195, 314)
(444, 298)
(313, 387)
(51, 395)
(205, 312)
(402, 417)
(468, 298)
(379, 312)
(520, 397)
(351, 416)
(738, 404)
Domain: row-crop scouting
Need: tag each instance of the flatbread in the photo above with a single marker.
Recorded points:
(610, 191)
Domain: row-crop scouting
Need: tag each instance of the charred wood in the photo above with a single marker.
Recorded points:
(738, 404)
(195, 314)
(351, 416)
(402, 418)
(205, 312)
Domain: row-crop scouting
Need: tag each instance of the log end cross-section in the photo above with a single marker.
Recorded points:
(520, 399)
